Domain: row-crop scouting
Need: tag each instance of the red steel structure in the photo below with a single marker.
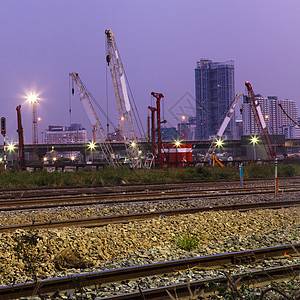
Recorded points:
(158, 97)
(260, 122)
(21, 138)
(153, 110)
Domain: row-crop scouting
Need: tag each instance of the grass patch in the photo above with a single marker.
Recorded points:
(186, 242)
(111, 176)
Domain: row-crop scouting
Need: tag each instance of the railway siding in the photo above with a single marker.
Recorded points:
(118, 245)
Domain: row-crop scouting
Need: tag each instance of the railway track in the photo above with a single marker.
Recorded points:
(109, 276)
(131, 188)
(145, 196)
(125, 218)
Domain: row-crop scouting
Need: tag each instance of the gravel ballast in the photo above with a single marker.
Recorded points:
(143, 242)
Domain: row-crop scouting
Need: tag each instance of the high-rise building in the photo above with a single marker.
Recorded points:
(215, 91)
(273, 115)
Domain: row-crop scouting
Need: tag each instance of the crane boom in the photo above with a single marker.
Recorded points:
(222, 128)
(124, 107)
(98, 130)
(260, 122)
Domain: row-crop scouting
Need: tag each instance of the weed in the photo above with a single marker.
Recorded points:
(187, 242)
(27, 251)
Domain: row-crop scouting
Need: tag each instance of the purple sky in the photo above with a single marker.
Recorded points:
(159, 42)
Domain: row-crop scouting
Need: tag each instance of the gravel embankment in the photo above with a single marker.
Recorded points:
(144, 242)
(65, 212)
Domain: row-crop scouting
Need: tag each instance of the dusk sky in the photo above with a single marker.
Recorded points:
(159, 43)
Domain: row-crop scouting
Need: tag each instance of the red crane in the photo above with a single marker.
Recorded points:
(21, 138)
(260, 122)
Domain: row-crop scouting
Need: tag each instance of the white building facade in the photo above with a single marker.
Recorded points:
(274, 117)
(73, 134)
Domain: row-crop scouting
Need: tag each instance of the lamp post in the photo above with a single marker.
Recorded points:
(32, 98)
(92, 147)
(11, 148)
(219, 144)
(177, 144)
(254, 141)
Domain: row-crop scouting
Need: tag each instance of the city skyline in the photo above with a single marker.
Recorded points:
(159, 42)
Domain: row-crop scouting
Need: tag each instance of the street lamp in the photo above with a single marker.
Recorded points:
(92, 147)
(177, 144)
(32, 98)
(219, 143)
(254, 141)
(182, 132)
(11, 147)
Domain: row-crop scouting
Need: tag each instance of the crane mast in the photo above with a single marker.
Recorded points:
(260, 122)
(127, 129)
(98, 130)
(222, 128)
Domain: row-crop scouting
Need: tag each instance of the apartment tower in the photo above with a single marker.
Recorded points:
(215, 91)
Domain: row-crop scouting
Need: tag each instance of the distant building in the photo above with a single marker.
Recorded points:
(187, 129)
(290, 131)
(65, 134)
(215, 91)
(273, 115)
(168, 134)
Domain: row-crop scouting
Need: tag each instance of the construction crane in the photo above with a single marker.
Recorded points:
(127, 129)
(21, 139)
(260, 122)
(98, 131)
(217, 139)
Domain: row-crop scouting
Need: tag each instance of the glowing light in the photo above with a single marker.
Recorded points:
(266, 116)
(219, 143)
(39, 119)
(177, 144)
(254, 139)
(54, 158)
(133, 144)
(92, 146)
(11, 147)
(183, 117)
(45, 158)
(32, 97)
(122, 118)
(72, 158)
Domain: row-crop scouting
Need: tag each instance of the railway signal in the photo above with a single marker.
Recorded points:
(3, 132)
(3, 126)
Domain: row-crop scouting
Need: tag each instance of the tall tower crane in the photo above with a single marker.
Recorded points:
(260, 122)
(222, 128)
(85, 98)
(127, 129)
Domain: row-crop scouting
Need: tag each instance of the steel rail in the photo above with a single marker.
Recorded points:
(73, 190)
(116, 275)
(210, 285)
(125, 218)
(25, 204)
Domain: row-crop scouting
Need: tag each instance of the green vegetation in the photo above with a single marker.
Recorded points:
(186, 242)
(110, 176)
